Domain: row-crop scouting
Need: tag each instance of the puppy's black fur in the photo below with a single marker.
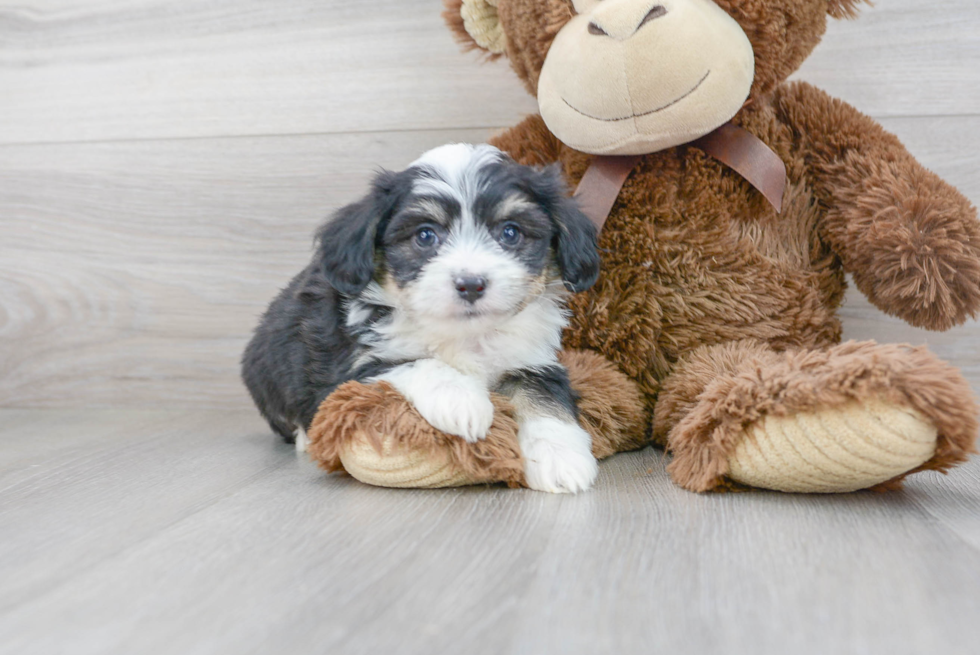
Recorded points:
(303, 347)
(301, 351)
(547, 387)
(575, 239)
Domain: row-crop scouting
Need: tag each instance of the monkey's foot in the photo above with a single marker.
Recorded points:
(854, 416)
(852, 446)
(376, 435)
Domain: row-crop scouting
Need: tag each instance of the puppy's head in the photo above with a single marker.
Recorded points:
(464, 232)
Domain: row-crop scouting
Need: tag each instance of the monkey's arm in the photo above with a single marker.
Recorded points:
(911, 241)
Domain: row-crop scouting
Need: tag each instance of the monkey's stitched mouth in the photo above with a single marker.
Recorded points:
(646, 113)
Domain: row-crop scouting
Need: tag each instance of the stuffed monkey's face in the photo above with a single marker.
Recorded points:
(638, 76)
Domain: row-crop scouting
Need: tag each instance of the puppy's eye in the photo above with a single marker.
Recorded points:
(510, 236)
(426, 237)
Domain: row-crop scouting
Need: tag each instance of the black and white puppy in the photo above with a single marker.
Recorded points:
(447, 280)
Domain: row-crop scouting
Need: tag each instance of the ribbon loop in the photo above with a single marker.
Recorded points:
(734, 146)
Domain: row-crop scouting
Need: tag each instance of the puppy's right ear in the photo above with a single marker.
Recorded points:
(346, 244)
(575, 243)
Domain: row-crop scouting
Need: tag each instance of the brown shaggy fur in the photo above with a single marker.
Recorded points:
(718, 391)
(910, 240)
(378, 410)
(696, 261)
(611, 408)
(694, 257)
(844, 8)
(718, 310)
(611, 411)
(530, 29)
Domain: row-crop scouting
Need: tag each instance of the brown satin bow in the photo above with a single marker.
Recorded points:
(730, 144)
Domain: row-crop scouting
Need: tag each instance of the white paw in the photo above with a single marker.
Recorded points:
(557, 456)
(463, 410)
(302, 441)
(447, 399)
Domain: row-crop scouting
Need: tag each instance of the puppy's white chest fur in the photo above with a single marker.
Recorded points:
(484, 347)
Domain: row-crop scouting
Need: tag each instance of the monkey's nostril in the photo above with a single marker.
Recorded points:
(655, 13)
(595, 29)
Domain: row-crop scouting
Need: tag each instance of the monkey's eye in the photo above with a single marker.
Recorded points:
(426, 237)
(510, 236)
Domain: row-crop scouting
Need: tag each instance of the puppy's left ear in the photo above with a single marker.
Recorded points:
(347, 242)
(576, 238)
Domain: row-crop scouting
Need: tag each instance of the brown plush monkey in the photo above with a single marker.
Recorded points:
(713, 327)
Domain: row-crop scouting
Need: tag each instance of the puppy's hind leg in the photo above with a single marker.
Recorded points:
(302, 441)
(290, 432)
(281, 426)
(557, 450)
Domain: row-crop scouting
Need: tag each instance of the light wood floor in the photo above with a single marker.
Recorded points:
(160, 531)
(163, 166)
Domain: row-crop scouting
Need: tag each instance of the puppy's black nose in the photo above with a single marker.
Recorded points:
(471, 288)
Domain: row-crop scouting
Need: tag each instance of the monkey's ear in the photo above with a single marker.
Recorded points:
(844, 8)
(476, 25)
(346, 243)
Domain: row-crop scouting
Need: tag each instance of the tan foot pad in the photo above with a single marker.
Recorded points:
(418, 469)
(845, 448)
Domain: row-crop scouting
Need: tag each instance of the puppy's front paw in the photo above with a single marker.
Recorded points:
(462, 408)
(557, 456)
(447, 399)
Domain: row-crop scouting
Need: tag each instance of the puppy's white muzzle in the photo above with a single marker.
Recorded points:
(470, 277)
